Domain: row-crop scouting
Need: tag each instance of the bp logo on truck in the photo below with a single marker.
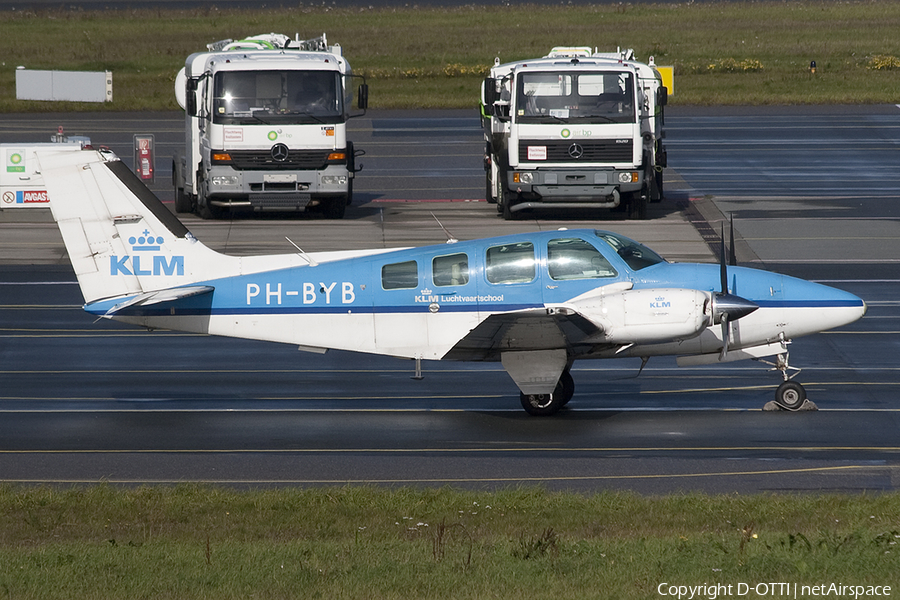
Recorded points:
(273, 135)
(15, 163)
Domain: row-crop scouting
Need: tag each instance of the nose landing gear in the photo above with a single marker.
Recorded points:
(790, 395)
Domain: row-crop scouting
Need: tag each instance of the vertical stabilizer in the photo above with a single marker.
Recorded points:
(120, 238)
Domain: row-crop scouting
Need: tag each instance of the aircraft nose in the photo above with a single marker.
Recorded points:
(834, 307)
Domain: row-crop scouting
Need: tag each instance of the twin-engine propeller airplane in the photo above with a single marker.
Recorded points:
(535, 302)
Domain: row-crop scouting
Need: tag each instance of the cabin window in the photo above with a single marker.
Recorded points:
(510, 263)
(450, 270)
(400, 276)
(636, 255)
(574, 258)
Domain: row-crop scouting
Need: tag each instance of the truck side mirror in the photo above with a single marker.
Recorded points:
(191, 97)
(362, 98)
(490, 91)
(662, 96)
(500, 110)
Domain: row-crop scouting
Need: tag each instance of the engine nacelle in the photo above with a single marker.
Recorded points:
(647, 316)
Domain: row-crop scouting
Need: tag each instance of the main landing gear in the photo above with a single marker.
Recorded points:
(544, 405)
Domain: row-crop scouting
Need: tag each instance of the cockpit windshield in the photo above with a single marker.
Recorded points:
(591, 97)
(637, 256)
(284, 97)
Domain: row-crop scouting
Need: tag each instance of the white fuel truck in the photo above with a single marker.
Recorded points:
(266, 127)
(574, 129)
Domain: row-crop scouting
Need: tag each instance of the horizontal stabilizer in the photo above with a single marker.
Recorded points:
(157, 298)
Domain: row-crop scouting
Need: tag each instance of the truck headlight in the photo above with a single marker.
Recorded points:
(334, 180)
(524, 177)
(629, 177)
(224, 180)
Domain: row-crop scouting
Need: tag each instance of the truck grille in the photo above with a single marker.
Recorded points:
(259, 160)
(279, 201)
(594, 151)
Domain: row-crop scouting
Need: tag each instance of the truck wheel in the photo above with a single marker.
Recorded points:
(637, 205)
(489, 189)
(507, 199)
(183, 202)
(660, 195)
(335, 209)
(204, 208)
(209, 212)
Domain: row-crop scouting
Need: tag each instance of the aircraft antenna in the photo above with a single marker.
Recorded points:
(303, 254)
(450, 238)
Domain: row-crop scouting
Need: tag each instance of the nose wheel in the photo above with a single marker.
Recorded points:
(790, 395)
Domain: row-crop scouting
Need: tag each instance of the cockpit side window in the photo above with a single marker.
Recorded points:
(637, 256)
(510, 263)
(574, 258)
(450, 270)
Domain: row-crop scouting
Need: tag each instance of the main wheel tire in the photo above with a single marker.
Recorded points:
(568, 386)
(544, 405)
(790, 395)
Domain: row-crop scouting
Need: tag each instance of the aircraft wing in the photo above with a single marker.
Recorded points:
(529, 329)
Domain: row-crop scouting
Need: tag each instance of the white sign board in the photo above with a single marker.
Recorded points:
(70, 86)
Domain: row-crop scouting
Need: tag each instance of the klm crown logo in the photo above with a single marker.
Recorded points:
(154, 264)
(145, 243)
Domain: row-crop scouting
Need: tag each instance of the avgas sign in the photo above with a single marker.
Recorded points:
(25, 197)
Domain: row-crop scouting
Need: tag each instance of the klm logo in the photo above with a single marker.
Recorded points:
(143, 262)
(660, 302)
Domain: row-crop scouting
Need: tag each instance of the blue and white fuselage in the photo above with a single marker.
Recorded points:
(535, 302)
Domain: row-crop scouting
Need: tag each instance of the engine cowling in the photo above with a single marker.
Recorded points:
(648, 316)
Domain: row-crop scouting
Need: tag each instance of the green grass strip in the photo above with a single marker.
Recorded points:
(374, 542)
(723, 53)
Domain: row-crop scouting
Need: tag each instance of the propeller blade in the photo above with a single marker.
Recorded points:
(725, 336)
(723, 268)
(732, 259)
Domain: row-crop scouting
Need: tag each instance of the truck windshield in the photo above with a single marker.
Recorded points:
(285, 97)
(592, 97)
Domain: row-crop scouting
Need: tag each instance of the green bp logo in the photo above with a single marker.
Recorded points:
(273, 135)
(15, 163)
(565, 133)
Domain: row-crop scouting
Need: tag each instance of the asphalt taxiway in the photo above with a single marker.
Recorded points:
(814, 193)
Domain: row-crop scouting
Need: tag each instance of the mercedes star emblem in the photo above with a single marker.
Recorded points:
(280, 152)
(576, 151)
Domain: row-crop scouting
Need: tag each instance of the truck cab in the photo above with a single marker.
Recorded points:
(265, 128)
(574, 129)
